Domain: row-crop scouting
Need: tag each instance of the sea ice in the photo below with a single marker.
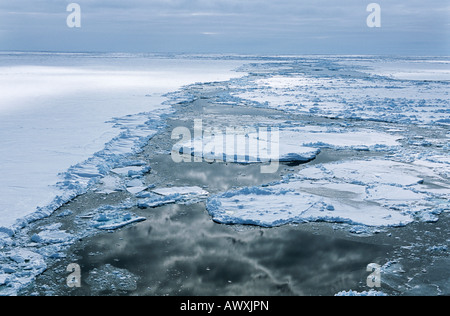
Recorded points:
(363, 293)
(58, 111)
(20, 266)
(181, 191)
(157, 201)
(110, 218)
(331, 92)
(107, 279)
(282, 204)
(163, 196)
(369, 193)
(52, 236)
(285, 145)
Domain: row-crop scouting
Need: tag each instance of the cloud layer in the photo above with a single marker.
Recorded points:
(228, 26)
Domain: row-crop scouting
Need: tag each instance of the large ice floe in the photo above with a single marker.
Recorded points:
(66, 120)
(373, 193)
(288, 144)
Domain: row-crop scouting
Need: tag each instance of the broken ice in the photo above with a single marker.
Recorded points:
(369, 192)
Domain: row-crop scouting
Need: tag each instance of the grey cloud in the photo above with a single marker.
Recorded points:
(244, 26)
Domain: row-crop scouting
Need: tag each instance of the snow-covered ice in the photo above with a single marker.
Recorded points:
(67, 119)
(114, 220)
(52, 235)
(285, 145)
(363, 293)
(373, 192)
(108, 217)
(382, 89)
(163, 196)
(181, 190)
(19, 267)
(396, 95)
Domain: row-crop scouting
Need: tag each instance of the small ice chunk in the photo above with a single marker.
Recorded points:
(4, 278)
(364, 293)
(114, 219)
(109, 278)
(65, 213)
(158, 200)
(136, 190)
(110, 184)
(134, 183)
(52, 237)
(52, 234)
(135, 186)
(194, 190)
(131, 171)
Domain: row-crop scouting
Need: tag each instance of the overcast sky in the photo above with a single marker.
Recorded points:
(409, 27)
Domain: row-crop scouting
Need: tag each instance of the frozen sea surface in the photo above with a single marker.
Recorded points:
(410, 91)
(66, 120)
(407, 100)
(285, 145)
(376, 193)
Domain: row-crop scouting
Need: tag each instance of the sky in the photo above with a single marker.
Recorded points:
(408, 27)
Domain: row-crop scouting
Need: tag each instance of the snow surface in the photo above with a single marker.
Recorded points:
(379, 91)
(170, 195)
(52, 235)
(286, 145)
(67, 119)
(181, 190)
(378, 193)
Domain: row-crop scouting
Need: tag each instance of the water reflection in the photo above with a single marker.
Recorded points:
(180, 251)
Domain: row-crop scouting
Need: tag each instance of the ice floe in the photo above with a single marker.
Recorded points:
(109, 217)
(52, 235)
(285, 145)
(194, 190)
(363, 293)
(163, 196)
(375, 192)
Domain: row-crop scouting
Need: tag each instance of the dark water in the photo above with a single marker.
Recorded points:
(180, 251)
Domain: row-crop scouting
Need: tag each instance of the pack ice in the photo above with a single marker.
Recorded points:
(376, 193)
